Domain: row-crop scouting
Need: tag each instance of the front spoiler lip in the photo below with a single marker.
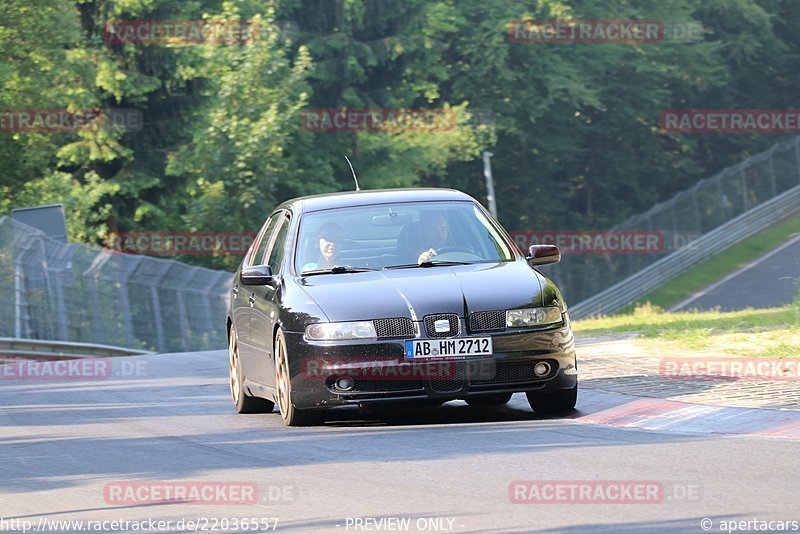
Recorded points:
(325, 399)
(387, 396)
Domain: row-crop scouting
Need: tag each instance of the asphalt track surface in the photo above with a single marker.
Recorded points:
(446, 469)
(768, 282)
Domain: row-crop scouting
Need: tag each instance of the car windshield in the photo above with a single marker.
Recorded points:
(402, 235)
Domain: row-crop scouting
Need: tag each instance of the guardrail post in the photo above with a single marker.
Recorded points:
(797, 156)
(772, 171)
(743, 180)
(125, 306)
(61, 309)
(155, 301)
(205, 322)
(94, 303)
(157, 317)
(19, 296)
(182, 320)
(674, 219)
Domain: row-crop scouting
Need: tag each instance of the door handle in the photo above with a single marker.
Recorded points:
(235, 291)
(252, 299)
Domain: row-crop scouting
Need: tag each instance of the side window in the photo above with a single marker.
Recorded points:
(263, 240)
(278, 250)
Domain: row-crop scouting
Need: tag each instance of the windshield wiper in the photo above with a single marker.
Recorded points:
(336, 269)
(429, 263)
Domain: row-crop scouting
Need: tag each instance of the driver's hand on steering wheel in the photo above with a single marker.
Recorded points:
(426, 256)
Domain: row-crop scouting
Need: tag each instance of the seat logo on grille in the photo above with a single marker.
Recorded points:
(442, 325)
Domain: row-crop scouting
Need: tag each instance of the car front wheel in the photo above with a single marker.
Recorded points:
(553, 402)
(291, 416)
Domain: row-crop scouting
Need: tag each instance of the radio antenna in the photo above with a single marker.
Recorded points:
(354, 173)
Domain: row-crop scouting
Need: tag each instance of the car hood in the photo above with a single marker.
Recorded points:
(416, 292)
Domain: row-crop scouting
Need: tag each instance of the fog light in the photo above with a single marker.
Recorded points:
(541, 369)
(345, 384)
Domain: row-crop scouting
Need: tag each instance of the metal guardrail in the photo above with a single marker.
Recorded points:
(54, 349)
(72, 292)
(638, 285)
(708, 204)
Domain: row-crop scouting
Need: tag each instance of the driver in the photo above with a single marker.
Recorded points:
(436, 234)
(330, 238)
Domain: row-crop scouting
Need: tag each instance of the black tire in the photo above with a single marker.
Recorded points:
(290, 415)
(491, 399)
(553, 402)
(241, 400)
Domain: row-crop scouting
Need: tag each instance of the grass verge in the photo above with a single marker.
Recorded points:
(772, 332)
(719, 265)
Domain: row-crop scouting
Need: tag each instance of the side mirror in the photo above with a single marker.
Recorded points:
(543, 254)
(258, 275)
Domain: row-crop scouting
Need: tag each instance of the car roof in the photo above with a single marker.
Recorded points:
(373, 196)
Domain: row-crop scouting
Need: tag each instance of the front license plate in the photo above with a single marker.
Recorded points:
(425, 349)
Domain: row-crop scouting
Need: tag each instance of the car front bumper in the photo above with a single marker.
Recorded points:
(380, 372)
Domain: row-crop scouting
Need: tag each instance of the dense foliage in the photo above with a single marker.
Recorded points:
(574, 127)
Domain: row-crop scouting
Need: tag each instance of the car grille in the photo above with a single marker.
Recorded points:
(488, 320)
(395, 327)
(451, 318)
(516, 372)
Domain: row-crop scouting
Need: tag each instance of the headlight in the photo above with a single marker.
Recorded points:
(341, 331)
(533, 316)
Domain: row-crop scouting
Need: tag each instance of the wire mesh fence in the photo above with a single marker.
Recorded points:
(684, 218)
(72, 292)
